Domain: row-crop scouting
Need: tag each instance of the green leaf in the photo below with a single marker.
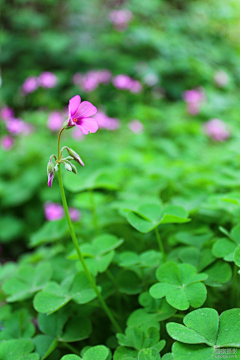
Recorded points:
(218, 273)
(19, 325)
(205, 327)
(129, 282)
(28, 280)
(124, 353)
(148, 354)
(50, 232)
(71, 357)
(180, 284)
(237, 256)
(98, 352)
(45, 345)
(148, 216)
(17, 350)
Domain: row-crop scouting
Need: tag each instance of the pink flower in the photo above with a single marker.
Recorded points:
(7, 143)
(136, 126)
(79, 115)
(105, 122)
(77, 78)
(193, 108)
(15, 126)
(53, 211)
(55, 121)
(192, 96)
(75, 214)
(216, 130)
(30, 84)
(6, 113)
(104, 76)
(48, 80)
(122, 82)
(120, 18)
(221, 78)
(89, 82)
(135, 87)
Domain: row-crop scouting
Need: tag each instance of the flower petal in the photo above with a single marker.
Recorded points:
(74, 105)
(85, 109)
(88, 125)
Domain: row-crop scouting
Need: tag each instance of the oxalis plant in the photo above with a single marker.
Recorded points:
(160, 293)
(79, 115)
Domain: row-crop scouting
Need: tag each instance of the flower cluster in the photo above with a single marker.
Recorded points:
(46, 80)
(55, 211)
(193, 98)
(91, 80)
(14, 126)
(120, 19)
(217, 130)
(125, 82)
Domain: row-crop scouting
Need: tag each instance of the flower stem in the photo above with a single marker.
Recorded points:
(160, 244)
(75, 243)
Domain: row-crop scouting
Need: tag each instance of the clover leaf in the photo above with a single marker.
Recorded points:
(139, 339)
(148, 216)
(27, 281)
(181, 285)
(17, 326)
(50, 232)
(99, 352)
(203, 332)
(17, 350)
(54, 296)
(218, 271)
(62, 326)
(99, 253)
(225, 247)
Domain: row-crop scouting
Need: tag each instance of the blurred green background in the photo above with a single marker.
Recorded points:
(167, 47)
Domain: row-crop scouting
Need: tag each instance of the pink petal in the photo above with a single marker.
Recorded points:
(88, 125)
(85, 109)
(74, 104)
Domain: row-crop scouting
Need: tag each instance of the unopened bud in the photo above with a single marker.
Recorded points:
(68, 166)
(74, 169)
(50, 172)
(75, 156)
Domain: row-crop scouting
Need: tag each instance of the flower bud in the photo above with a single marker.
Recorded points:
(74, 169)
(75, 156)
(68, 166)
(50, 172)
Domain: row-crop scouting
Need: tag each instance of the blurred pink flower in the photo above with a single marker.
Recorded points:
(6, 113)
(193, 108)
(221, 78)
(55, 121)
(15, 126)
(192, 96)
(89, 82)
(135, 87)
(77, 134)
(53, 211)
(79, 115)
(105, 122)
(75, 214)
(136, 126)
(216, 129)
(7, 142)
(122, 82)
(120, 18)
(77, 78)
(104, 76)
(30, 84)
(47, 80)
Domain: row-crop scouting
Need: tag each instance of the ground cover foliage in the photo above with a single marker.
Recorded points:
(159, 226)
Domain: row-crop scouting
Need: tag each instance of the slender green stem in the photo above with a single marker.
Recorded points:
(160, 244)
(75, 243)
(94, 211)
(72, 348)
(59, 137)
